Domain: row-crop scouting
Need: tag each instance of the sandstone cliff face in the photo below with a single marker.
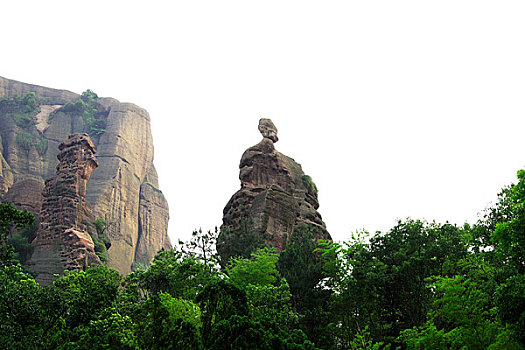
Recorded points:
(63, 241)
(275, 196)
(136, 218)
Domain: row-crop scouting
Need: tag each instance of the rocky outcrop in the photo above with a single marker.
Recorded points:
(122, 136)
(275, 196)
(26, 195)
(63, 241)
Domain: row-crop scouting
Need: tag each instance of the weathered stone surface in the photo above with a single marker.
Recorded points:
(275, 196)
(27, 195)
(125, 155)
(63, 241)
(268, 129)
(153, 217)
(12, 88)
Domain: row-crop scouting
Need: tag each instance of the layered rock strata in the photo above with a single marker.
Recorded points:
(63, 241)
(118, 190)
(275, 196)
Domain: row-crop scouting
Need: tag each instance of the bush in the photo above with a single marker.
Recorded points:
(25, 140)
(86, 107)
(309, 183)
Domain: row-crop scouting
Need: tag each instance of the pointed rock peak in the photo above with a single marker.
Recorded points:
(268, 129)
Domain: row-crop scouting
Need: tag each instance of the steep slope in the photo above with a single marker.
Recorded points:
(34, 120)
(275, 198)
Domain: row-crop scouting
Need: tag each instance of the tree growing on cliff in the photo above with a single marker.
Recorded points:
(11, 218)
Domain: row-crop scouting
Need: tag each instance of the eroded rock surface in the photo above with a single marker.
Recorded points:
(275, 196)
(115, 190)
(63, 241)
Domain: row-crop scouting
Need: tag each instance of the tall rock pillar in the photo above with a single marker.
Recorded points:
(275, 198)
(63, 241)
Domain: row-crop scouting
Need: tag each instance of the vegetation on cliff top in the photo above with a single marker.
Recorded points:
(86, 107)
(21, 108)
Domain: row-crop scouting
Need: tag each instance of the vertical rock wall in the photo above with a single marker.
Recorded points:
(136, 218)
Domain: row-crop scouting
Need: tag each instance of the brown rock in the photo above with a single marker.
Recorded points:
(275, 196)
(63, 242)
(153, 217)
(126, 165)
(26, 195)
(125, 155)
(268, 129)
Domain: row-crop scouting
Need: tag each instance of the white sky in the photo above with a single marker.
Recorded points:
(395, 108)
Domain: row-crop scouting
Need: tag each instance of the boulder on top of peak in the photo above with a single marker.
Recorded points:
(268, 129)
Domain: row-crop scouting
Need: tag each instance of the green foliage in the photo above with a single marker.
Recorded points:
(510, 235)
(137, 265)
(87, 108)
(110, 330)
(309, 183)
(169, 323)
(41, 146)
(11, 218)
(171, 272)
(463, 315)
(201, 246)
(382, 285)
(418, 286)
(261, 269)
(101, 240)
(303, 266)
(88, 293)
(240, 241)
(25, 141)
(21, 109)
(21, 242)
(22, 247)
(29, 314)
(268, 294)
(100, 249)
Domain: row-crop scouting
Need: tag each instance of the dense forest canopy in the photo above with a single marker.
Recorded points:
(420, 285)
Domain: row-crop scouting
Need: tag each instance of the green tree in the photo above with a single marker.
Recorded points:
(11, 218)
(303, 267)
(169, 323)
(268, 294)
(88, 293)
(171, 272)
(111, 331)
(463, 314)
(239, 241)
(381, 285)
(30, 316)
(201, 246)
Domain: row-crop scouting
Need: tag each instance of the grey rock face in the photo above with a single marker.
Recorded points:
(268, 129)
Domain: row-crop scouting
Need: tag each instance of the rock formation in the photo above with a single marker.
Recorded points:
(123, 190)
(63, 241)
(275, 196)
